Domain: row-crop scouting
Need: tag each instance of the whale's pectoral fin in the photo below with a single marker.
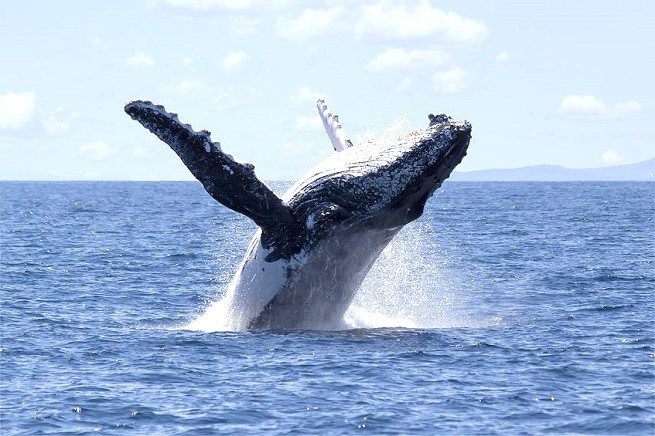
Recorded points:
(229, 182)
(333, 128)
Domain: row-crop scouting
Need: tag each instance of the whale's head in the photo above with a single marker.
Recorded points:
(384, 184)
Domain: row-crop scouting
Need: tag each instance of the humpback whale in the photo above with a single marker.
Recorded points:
(315, 245)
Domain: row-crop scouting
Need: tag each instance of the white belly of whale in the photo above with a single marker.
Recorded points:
(313, 290)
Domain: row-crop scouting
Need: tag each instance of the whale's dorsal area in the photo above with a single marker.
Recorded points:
(317, 243)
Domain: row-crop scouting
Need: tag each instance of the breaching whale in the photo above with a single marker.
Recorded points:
(315, 244)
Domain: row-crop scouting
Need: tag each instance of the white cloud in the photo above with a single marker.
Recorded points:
(611, 157)
(140, 60)
(186, 61)
(397, 128)
(242, 27)
(223, 98)
(309, 123)
(59, 121)
(452, 82)
(312, 22)
(143, 152)
(582, 105)
(400, 59)
(228, 98)
(627, 107)
(404, 84)
(591, 106)
(4, 146)
(306, 96)
(147, 149)
(383, 22)
(95, 151)
(221, 5)
(234, 61)
(190, 88)
(16, 109)
(92, 175)
(100, 44)
(503, 56)
(204, 5)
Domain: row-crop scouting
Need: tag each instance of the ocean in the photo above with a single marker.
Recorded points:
(508, 308)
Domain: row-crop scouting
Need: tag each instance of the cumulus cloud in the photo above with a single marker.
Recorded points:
(147, 149)
(16, 109)
(503, 56)
(143, 152)
(208, 5)
(186, 61)
(309, 123)
(243, 27)
(582, 105)
(628, 106)
(452, 81)
(222, 98)
(402, 60)
(591, 106)
(312, 22)
(95, 151)
(100, 44)
(189, 88)
(204, 5)
(59, 121)
(404, 84)
(92, 175)
(383, 22)
(228, 98)
(306, 96)
(234, 61)
(611, 157)
(140, 60)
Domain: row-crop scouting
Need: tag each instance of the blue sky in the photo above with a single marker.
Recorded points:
(557, 82)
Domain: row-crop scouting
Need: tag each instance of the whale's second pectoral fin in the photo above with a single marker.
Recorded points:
(333, 128)
(229, 182)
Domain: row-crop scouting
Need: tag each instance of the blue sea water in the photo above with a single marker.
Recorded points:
(508, 308)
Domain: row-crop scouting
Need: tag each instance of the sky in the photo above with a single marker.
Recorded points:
(556, 82)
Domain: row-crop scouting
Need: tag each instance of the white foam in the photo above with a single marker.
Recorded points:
(214, 319)
(411, 285)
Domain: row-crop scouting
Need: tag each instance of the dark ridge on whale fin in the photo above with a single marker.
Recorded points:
(231, 183)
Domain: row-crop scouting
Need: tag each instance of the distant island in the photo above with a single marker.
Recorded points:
(642, 171)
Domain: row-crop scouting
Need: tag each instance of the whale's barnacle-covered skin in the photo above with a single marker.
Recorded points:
(316, 243)
(229, 182)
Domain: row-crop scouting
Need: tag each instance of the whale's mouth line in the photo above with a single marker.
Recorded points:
(452, 157)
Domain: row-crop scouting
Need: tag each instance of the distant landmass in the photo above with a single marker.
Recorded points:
(642, 171)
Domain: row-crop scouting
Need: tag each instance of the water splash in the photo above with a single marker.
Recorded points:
(215, 319)
(398, 127)
(411, 285)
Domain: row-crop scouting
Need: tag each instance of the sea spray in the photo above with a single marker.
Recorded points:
(409, 286)
(214, 319)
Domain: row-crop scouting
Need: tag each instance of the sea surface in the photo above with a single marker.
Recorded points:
(508, 308)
